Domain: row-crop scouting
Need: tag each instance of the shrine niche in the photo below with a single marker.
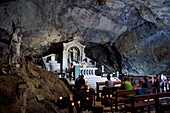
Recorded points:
(67, 54)
(73, 54)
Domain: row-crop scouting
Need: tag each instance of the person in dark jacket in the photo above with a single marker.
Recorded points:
(80, 82)
(146, 84)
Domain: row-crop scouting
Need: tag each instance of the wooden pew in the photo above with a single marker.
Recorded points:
(120, 97)
(98, 84)
(163, 99)
(141, 101)
(107, 92)
(151, 90)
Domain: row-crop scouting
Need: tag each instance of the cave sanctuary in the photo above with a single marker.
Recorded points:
(84, 56)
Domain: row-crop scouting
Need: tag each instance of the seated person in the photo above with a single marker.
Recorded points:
(80, 83)
(132, 80)
(146, 83)
(141, 81)
(109, 82)
(126, 85)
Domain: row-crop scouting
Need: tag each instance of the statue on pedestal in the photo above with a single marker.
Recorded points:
(14, 47)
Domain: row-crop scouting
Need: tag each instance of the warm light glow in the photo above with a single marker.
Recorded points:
(87, 90)
(88, 87)
(71, 97)
(61, 98)
(110, 95)
(72, 103)
(107, 95)
(87, 98)
(100, 94)
(78, 102)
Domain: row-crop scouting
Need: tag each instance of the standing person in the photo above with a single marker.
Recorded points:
(15, 47)
(157, 83)
(109, 82)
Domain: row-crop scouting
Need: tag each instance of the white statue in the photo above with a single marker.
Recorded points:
(15, 47)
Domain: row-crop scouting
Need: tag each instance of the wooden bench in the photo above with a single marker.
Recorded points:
(98, 84)
(151, 90)
(120, 97)
(163, 99)
(141, 101)
(107, 92)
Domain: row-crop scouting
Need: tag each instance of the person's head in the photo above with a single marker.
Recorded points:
(125, 78)
(132, 80)
(108, 76)
(157, 75)
(145, 78)
(82, 76)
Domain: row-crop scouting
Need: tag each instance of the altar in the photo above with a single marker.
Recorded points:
(63, 56)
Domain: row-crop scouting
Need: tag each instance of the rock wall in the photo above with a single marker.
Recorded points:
(138, 29)
(30, 89)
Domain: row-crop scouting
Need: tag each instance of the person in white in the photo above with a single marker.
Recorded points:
(109, 82)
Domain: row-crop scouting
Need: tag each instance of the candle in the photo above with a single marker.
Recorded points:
(61, 98)
(72, 103)
(88, 87)
(71, 97)
(87, 90)
(100, 95)
(78, 102)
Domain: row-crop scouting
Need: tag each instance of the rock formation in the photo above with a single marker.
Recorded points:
(29, 89)
(136, 30)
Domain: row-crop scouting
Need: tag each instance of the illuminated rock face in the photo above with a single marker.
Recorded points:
(137, 30)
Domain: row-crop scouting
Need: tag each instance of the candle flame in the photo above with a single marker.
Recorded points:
(61, 98)
(78, 102)
(71, 98)
(72, 103)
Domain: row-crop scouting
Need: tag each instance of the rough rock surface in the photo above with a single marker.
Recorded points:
(20, 89)
(138, 29)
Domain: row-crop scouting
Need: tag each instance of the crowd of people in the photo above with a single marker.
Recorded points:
(129, 83)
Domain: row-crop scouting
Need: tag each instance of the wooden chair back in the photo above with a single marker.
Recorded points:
(151, 90)
(125, 92)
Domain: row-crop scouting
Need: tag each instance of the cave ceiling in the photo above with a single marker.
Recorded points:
(132, 36)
